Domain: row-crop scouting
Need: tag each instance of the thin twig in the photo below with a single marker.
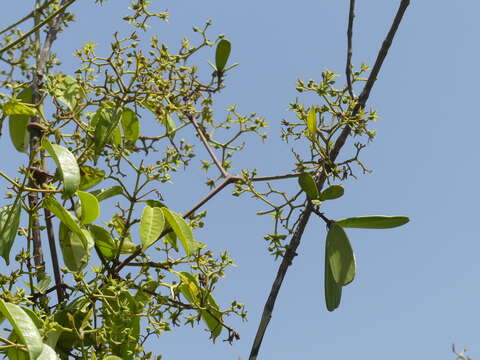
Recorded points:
(204, 140)
(26, 17)
(304, 217)
(37, 26)
(348, 69)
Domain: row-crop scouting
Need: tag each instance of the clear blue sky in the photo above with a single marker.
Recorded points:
(417, 288)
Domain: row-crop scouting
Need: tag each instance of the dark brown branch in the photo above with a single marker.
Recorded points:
(54, 256)
(348, 69)
(304, 217)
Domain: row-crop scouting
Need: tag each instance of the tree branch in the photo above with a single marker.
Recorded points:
(348, 69)
(304, 217)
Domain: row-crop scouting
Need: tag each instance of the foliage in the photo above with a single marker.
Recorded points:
(131, 266)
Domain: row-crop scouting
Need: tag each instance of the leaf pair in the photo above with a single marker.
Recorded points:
(153, 222)
(307, 184)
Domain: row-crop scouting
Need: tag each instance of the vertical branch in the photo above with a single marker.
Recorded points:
(54, 256)
(320, 180)
(348, 68)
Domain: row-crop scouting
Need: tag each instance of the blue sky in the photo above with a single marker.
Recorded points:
(417, 287)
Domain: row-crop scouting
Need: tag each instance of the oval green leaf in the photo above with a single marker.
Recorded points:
(152, 224)
(19, 133)
(182, 230)
(332, 192)
(103, 241)
(373, 222)
(222, 53)
(24, 328)
(340, 255)
(90, 177)
(9, 222)
(106, 120)
(67, 164)
(307, 184)
(130, 125)
(104, 194)
(90, 207)
(75, 254)
(47, 353)
(312, 122)
(69, 91)
(333, 291)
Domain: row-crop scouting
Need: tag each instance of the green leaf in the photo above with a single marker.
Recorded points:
(195, 295)
(75, 254)
(152, 224)
(47, 353)
(373, 222)
(332, 192)
(9, 222)
(24, 328)
(65, 217)
(130, 125)
(16, 107)
(67, 164)
(104, 241)
(104, 194)
(69, 92)
(182, 230)
(171, 239)
(333, 291)
(106, 121)
(307, 184)
(340, 255)
(19, 133)
(90, 177)
(312, 122)
(113, 357)
(170, 126)
(90, 207)
(222, 53)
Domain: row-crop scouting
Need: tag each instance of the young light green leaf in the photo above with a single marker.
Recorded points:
(222, 53)
(130, 125)
(113, 357)
(90, 177)
(171, 239)
(307, 184)
(75, 254)
(16, 107)
(373, 222)
(340, 255)
(19, 133)
(332, 192)
(103, 241)
(90, 207)
(65, 217)
(152, 224)
(312, 123)
(9, 222)
(24, 328)
(69, 91)
(67, 165)
(333, 291)
(104, 194)
(106, 120)
(182, 230)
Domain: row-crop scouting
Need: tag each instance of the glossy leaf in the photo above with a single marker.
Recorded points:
(332, 192)
(104, 194)
(182, 230)
(70, 92)
(75, 254)
(307, 184)
(103, 241)
(65, 217)
(19, 133)
(312, 122)
(340, 255)
(373, 222)
(106, 120)
(24, 328)
(9, 222)
(152, 224)
(333, 291)
(90, 208)
(130, 125)
(47, 353)
(90, 177)
(222, 54)
(67, 165)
